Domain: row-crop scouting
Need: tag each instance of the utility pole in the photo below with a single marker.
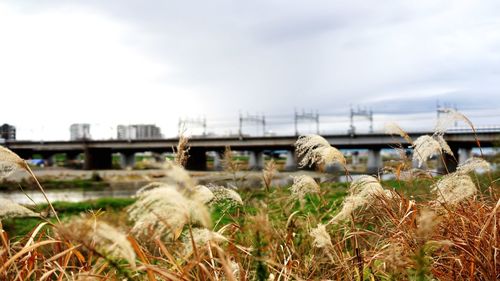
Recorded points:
(306, 117)
(445, 109)
(368, 114)
(197, 122)
(252, 119)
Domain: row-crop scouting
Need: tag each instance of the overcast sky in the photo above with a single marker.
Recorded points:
(122, 61)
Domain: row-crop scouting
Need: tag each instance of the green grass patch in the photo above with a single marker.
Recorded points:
(18, 227)
(75, 183)
(85, 206)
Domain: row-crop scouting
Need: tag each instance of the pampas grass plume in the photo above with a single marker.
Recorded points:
(201, 236)
(392, 128)
(269, 173)
(321, 237)
(361, 192)
(447, 119)
(202, 194)
(182, 149)
(454, 188)
(314, 149)
(424, 148)
(426, 222)
(10, 209)
(100, 237)
(165, 210)
(178, 175)
(303, 185)
(443, 144)
(472, 164)
(222, 194)
(9, 162)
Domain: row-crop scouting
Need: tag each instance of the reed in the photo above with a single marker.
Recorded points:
(439, 228)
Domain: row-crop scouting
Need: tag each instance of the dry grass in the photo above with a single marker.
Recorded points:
(315, 150)
(269, 173)
(182, 151)
(230, 165)
(374, 233)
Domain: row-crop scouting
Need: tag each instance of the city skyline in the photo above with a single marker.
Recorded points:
(278, 124)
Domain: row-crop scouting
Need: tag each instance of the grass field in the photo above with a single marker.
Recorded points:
(269, 214)
(421, 226)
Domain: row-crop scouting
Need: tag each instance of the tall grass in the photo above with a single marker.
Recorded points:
(177, 230)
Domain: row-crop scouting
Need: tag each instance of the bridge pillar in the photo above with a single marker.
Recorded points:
(71, 159)
(24, 153)
(374, 162)
(333, 168)
(217, 161)
(464, 154)
(158, 157)
(291, 161)
(72, 156)
(98, 159)
(355, 158)
(49, 158)
(197, 160)
(127, 160)
(447, 163)
(256, 160)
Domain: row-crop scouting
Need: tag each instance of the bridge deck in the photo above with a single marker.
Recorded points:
(463, 139)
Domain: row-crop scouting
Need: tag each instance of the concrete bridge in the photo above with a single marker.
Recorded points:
(98, 153)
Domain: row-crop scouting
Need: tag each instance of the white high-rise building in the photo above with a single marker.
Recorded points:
(132, 132)
(79, 131)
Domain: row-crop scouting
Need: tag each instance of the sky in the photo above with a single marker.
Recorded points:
(123, 62)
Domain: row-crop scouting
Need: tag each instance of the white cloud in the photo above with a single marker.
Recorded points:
(111, 62)
(66, 66)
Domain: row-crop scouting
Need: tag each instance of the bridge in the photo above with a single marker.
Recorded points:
(98, 153)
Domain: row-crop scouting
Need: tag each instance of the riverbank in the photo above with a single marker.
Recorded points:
(55, 178)
(76, 185)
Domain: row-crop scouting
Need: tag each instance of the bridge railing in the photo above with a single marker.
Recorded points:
(486, 129)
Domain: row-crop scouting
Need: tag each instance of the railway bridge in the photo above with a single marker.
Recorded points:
(98, 153)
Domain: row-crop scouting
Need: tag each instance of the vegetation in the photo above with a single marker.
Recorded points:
(92, 183)
(17, 227)
(418, 227)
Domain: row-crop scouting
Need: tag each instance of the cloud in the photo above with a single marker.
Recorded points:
(151, 61)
